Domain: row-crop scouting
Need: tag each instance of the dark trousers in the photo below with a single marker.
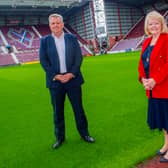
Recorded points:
(58, 98)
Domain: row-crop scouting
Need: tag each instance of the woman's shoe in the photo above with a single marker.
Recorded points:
(163, 160)
(161, 153)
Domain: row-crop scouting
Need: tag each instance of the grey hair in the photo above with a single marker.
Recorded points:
(55, 15)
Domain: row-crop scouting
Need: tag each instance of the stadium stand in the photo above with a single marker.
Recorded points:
(68, 29)
(21, 37)
(137, 30)
(127, 44)
(26, 41)
(27, 56)
(134, 38)
(6, 59)
(43, 30)
(21, 28)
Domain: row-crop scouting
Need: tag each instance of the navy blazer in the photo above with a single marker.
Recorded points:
(50, 61)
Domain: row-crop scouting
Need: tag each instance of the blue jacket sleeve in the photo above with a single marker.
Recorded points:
(78, 58)
(44, 60)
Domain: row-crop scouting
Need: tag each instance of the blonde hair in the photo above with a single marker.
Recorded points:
(55, 15)
(155, 15)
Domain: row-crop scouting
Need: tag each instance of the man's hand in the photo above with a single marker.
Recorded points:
(67, 77)
(64, 78)
(58, 77)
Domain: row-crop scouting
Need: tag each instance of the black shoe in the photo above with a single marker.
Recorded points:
(58, 143)
(88, 138)
(163, 160)
(161, 153)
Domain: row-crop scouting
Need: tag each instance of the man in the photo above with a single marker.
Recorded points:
(61, 58)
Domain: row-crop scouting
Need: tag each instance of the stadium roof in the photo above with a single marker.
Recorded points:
(38, 3)
(137, 3)
(46, 7)
(38, 7)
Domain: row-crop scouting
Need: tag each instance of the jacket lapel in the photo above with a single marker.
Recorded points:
(54, 53)
(53, 45)
(146, 44)
(66, 47)
(156, 49)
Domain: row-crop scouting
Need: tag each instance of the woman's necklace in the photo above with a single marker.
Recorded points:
(147, 59)
(149, 53)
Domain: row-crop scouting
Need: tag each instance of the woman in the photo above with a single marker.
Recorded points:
(153, 74)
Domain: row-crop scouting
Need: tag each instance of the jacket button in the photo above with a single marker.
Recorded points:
(160, 56)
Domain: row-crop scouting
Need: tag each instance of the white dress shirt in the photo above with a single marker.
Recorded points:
(60, 46)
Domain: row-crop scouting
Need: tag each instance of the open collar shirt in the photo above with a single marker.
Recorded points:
(60, 46)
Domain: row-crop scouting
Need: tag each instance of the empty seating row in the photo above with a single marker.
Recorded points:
(6, 59)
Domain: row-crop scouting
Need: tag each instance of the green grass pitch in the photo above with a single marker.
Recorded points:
(115, 105)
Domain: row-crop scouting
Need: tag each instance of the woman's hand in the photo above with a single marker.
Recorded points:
(151, 83)
(148, 84)
(145, 83)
